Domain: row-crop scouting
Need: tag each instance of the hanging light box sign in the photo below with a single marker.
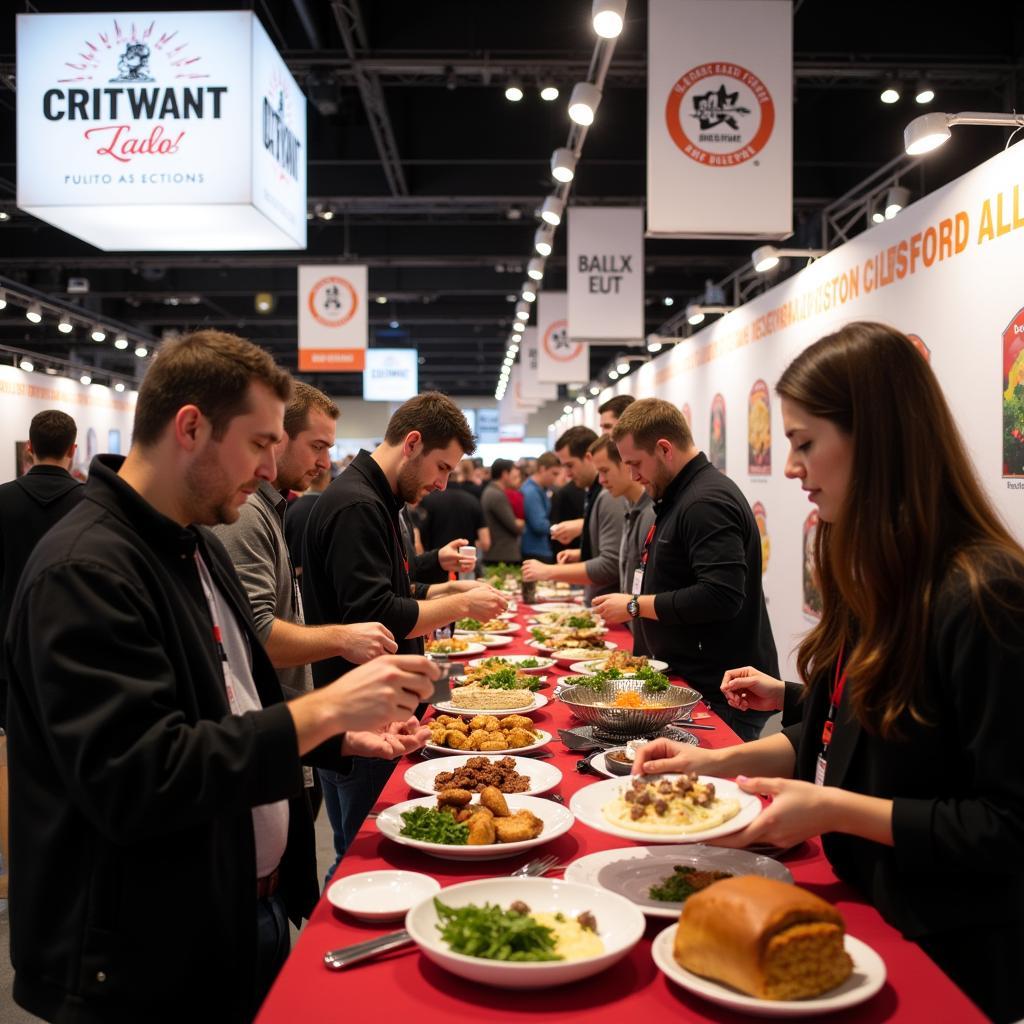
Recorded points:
(168, 130)
(333, 324)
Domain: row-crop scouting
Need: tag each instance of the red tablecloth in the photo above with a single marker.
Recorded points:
(403, 985)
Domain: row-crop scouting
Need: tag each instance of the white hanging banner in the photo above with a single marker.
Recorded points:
(513, 408)
(560, 360)
(720, 119)
(533, 388)
(332, 319)
(606, 273)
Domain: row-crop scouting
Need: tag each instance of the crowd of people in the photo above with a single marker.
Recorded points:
(212, 638)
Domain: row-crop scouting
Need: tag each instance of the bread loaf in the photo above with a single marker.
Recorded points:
(763, 937)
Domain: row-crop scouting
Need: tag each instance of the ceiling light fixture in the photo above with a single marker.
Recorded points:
(529, 292)
(653, 343)
(607, 17)
(583, 104)
(119, 386)
(613, 374)
(98, 334)
(141, 351)
(594, 391)
(551, 211)
(121, 342)
(890, 91)
(264, 302)
(535, 269)
(85, 379)
(895, 199)
(548, 91)
(923, 91)
(523, 310)
(514, 90)
(766, 257)
(563, 165)
(543, 240)
(929, 131)
(3, 299)
(582, 399)
(34, 313)
(27, 365)
(64, 325)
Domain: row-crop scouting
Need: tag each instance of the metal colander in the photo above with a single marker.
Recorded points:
(671, 704)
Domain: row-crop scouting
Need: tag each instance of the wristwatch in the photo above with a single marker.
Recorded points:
(633, 607)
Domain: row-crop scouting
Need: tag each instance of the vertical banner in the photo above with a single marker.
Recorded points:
(332, 319)
(605, 273)
(720, 119)
(533, 388)
(560, 360)
(513, 408)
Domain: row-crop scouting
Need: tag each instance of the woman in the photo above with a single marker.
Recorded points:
(913, 697)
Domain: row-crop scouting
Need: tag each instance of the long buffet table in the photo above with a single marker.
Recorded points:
(404, 985)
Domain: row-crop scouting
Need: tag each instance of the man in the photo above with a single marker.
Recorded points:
(595, 563)
(427, 567)
(297, 514)
(513, 483)
(453, 514)
(356, 569)
(501, 521)
(699, 603)
(639, 516)
(161, 832)
(536, 539)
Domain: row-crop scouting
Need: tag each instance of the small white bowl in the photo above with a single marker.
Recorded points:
(620, 925)
(381, 895)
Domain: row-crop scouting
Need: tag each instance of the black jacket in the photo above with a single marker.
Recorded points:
(704, 565)
(133, 857)
(354, 561)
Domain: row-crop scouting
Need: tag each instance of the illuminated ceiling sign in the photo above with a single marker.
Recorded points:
(160, 131)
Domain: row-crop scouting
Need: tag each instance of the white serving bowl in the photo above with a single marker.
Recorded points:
(619, 925)
(381, 895)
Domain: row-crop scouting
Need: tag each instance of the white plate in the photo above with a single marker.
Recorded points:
(489, 640)
(555, 606)
(543, 777)
(586, 804)
(381, 895)
(619, 926)
(543, 739)
(512, 627)
(632, 871)
(586, 668)
(569, 655)
(446, 707)
(867, 978)
(557, 821)
(470, 650)
(516, 660)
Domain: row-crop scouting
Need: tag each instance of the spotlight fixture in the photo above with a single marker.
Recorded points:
(895, 199)
(653, 343)
(381, 300)
(4, 215)
(535, 269)
(27, 365)
(543, 239)
(85, 379)
(622, 367)
(394, 325)
(523, 311)
(567, 409)
(119, 386)
(551, 211)
(514, 90)
(668, 301)
(594, 391)
(923, 91)
(582, 399)
(929, 131)
(3, 299)
(694, 314)
(141, 351)
(877, 211)
(890, 91)
(583, 103)
(264, 302)
(607, 17)
(766, 257)
(613, 374)
(64, 325)
(34, 313)
(120, 343)
(548, 91)
(563, 164)
(529, 293)
(98, 334)
(51, 370)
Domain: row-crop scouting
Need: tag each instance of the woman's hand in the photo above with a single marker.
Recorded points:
(661, 756)
(747, 689)
(798, 811)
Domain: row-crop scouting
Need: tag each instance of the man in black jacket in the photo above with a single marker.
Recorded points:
(696, 602)
(159, 833)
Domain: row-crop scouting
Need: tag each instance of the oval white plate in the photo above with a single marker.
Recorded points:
(512, 627)
(381, 895)
(569, 655)
(619, 926)
(586, 668)
(516, 660)
(867, 978)
(557, 821)
(543, 739)
(446, 707)
(555, 606)
(470, 650)
(586, 804)
(543, 777)
(632, 871)
(489, 640)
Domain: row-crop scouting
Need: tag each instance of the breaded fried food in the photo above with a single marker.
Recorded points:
(455, 739)
(494, 800)
(455, 797)
(497, 741)
(518, 827)
(520, 738)
(459, 725)
(492, 724)
(516, 722)
(481, 830)
(477, 722)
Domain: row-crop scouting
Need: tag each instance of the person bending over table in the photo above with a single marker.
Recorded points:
(903, 754)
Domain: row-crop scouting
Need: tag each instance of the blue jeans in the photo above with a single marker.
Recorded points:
(273, 941)
(348, 799)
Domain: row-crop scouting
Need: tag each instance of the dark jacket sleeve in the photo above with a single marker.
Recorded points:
(359, 554)
(713, 536)
(793, 704)
(106, 697)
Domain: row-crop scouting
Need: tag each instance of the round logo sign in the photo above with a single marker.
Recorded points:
(333, 301)
(557, 344)
(720, 114)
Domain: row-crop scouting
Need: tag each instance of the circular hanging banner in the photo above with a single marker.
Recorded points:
(557, 344)
(720, 114)
(333, 301)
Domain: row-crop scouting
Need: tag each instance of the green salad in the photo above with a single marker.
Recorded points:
(495, 934)
(654, 682)
(506, 679)
(683, 883)
(429, 825)
(470, 625)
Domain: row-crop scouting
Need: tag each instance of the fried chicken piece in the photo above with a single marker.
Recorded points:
(455, 797)
(494, 800)
(516, 722)
(520, 737)
(459, 725)
(463, 813)
(492, 724)
(497, 742)
(477, 722)
(517, 828)
(437, 733)
(456, 740)
(481, 830)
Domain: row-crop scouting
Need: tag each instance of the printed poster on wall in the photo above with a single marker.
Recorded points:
(605, 273)
(1013, 397)
(560, 359)
(333, 323)
(759, 430)
(719, 119)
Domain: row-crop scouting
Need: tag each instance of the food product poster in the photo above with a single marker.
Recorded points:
(759, 430)
(716, 443)
(1013, 397)
(761, 518)
(812, 592)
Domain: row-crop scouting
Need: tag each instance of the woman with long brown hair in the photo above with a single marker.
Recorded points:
(901, 750)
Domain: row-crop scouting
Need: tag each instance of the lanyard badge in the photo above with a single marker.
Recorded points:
(638, 576)
(828, 729)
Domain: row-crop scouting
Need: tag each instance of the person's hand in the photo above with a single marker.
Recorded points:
(385, 690)
(748, 689)
(535, 571)
(662, 755)
(798, 811)
(483, 603)
(461, 586)
(612, 607)
(566, 531)
(450, 559)
(568, 556)
(395, 740)
(361, 642)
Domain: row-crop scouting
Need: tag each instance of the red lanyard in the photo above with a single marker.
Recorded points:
(647, 546)
(838, 686)
(401, 546)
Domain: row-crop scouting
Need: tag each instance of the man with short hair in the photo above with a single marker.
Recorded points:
(536, 539)
(699, 604)
(156, 773)
(356, 568)
(297, 514)
(610, 411)
(453, 514)
(595, 563)
(502, 522)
